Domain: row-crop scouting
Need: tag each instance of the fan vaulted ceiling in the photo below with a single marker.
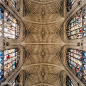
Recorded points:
(43, 42)
(40, 11)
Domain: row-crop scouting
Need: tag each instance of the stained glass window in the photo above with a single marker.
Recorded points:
(76, 27)
(74, 30)
(9, 26)
(9, 60)
(76, 60)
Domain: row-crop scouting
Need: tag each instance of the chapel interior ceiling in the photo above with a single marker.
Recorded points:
(47, 12)
(43, 42)
(36, 54)
(48, 33)
(43, 75)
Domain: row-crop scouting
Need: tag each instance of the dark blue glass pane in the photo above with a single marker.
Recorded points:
(1, 10)
(70, 83)
(85, 54)
(1, 71)
(1, 60)
(1, 53)
(1, 17)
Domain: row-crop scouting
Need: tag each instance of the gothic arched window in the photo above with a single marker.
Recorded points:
(76, 27)
(9, 60)
(9, 26)
(76, 60)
